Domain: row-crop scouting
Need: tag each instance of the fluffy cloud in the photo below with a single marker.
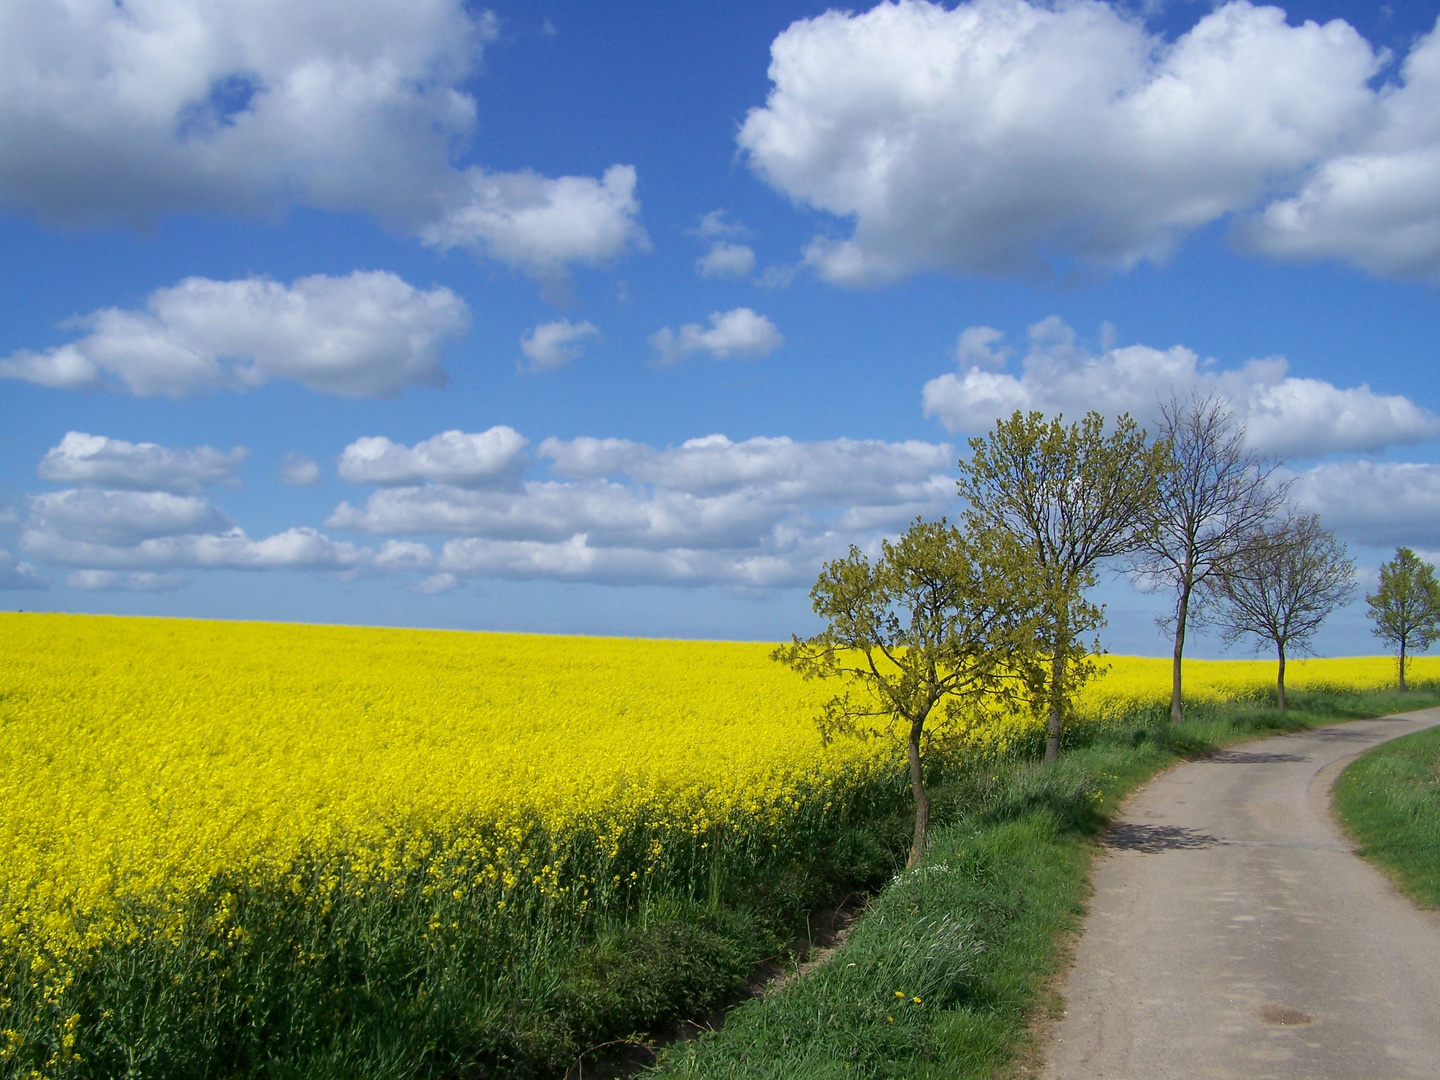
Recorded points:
(111, 111)
(740, 332)
(992, 138)
(1375, 503)
(153, 532)
(135, 581)
(540, 225)
(78, 543)
(437, 584)
(725, 259)
(452, 457)
(133, 537)
(97, 461)
(1377, 205)
(19, 575)
(300, 470)
(552, 345)
(365, 335)
(1284, 414)
(757, 513)
(119, 518)
(577, 560)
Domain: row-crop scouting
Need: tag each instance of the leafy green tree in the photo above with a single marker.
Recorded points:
(1068, 498)
(1406, 606)
(1292, 575)
(1217, 496)
(922, 635)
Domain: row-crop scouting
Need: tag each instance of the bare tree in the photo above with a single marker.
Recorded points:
(1069, 497)
(1219, 495)
(1290, 577)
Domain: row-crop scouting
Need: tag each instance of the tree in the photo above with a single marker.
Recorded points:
(1217, 496)
(1406, 606)
(1291, 576)
(933, 624)
(1068, 497)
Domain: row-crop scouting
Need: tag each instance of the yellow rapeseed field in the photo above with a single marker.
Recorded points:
(1131, 681)
(142, 756)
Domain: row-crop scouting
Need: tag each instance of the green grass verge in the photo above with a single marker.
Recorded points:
(977, 933)
(1389, 800)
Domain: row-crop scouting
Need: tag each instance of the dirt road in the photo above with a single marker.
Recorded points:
(1233, 932)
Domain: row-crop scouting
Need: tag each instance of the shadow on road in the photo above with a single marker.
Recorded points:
(1152, 839)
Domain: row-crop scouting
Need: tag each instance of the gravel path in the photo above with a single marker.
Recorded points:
(1233, 932)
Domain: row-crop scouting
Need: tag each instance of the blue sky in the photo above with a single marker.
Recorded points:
(702, 293)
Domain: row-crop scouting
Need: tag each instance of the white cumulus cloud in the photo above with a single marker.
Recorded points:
(131, 111)
(98, 461)
(1375, 503)
(1284, 414)
(452, 457)
(1376, 205)
(115, 581)
(993, 137)
(120, 518)
(369, 334)
(552, 345)
(740, 332)
(761, 512)
(437, 584)
(541, 225)
(299, 470)
(232, 549)
(726, 259)
(134, 539)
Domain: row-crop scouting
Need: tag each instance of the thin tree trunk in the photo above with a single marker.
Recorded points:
(1057, 704)
(922, 799)
(1280, 677)
(1402, 665)
(1176, 715)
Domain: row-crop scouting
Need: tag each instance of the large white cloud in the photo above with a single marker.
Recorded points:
(452, 457)
(1284, 414)
(1001, 135)
(120, 518)
(759, 512)
(1375, 503)
(128, 111)
(293, 549)
(739, 332)
(98, 461)
(1377, 205)
(368, 334)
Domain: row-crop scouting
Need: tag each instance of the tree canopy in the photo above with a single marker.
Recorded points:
(1067, 498)
(928, 631)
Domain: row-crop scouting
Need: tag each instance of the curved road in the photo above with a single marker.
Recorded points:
(1233, 933)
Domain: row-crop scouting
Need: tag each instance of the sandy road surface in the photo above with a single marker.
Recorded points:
(1234, 934)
